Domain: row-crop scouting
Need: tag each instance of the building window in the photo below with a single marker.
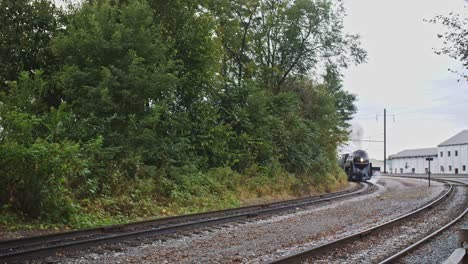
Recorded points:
(413, 170)
(456, 153)
(441, 154)
(464, 168)
(442, 168)
(401, 170)
(448, 153)
(450, 168)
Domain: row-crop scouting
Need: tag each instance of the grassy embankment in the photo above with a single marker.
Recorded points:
(218, 189)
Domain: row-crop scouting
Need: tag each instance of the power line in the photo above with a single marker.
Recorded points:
(366, 140)
(403, 112)
(376, 135)
(376, 116)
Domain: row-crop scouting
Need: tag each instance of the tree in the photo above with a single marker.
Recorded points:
(26, 30)
(115, 67)
(272, 40)
(140, 101)
(188, 26)
(271, 48)
(455, 39)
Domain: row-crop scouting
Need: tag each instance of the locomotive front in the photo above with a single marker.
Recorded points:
(359, 166)
(360, 159)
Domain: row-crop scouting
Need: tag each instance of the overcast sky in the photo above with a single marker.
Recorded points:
(404, 75)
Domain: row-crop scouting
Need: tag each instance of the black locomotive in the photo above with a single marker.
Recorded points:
(357, 166)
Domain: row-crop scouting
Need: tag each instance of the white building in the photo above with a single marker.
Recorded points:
(450, 157)
(413, 161)
(453, 154)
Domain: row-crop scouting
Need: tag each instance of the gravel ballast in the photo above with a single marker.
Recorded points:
(267, 239)
(379, 245)
(439, 248)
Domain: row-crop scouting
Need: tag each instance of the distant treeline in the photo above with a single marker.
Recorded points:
(121, 108)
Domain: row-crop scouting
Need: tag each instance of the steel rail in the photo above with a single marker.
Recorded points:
(8, 244)
(448, 179)
(317, 250)
(454, 182)
(40, 246)
(415, 245)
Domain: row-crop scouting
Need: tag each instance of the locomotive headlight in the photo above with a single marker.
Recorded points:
(362, 160)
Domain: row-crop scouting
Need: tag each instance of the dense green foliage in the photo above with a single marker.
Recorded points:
(137, 108)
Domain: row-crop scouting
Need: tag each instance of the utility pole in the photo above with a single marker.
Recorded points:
(385, 140)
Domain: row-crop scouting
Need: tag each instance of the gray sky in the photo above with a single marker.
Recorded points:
(404, 75)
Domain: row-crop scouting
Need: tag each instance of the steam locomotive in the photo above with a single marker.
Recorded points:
(357, 166)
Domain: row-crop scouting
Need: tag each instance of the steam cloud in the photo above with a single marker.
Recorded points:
(356, 134)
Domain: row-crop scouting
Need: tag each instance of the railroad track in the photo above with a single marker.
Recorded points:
(455, 180)
(19, 250)
(321, 249)
(415, 245)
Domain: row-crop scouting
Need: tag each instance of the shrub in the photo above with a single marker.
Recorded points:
(36, 178)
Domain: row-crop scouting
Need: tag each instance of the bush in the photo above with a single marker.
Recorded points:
(36, 178)
(144, 108)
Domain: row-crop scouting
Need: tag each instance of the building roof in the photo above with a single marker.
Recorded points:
(458, 139)
(424, 152)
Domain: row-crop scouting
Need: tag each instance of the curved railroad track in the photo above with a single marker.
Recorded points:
(455, 180)
(19, 250)
(347, 240)
(420, 242)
